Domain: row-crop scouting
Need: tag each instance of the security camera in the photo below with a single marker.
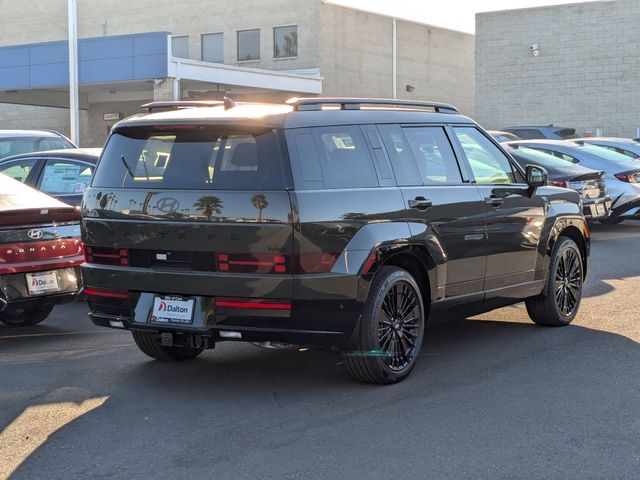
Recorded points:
(535, 49)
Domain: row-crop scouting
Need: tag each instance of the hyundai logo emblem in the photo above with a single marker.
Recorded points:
(167, 205)
(35, 234)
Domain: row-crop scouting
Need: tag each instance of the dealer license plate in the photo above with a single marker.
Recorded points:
(172, 310)
(42, 282)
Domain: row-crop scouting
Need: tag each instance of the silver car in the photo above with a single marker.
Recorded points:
(626, 146)
(622, 174)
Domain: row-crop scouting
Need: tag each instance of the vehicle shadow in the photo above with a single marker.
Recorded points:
(505, 386)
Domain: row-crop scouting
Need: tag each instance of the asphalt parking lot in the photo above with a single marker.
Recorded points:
(491, 397)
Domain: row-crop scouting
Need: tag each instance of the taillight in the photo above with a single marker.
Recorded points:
(252, 263)
(316, 262)
(105, 293)
(106, 255)
(628, 177)
(559, 183)
(253, 304)
(266, 263)
(42, 250)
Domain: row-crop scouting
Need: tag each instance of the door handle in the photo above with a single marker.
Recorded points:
(420, 203)
(493, 201)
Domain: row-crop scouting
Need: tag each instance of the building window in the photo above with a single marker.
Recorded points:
(180, 47)
(285, 42)
(248, 45)
(213, 48)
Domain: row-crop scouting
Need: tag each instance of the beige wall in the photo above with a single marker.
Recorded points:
(356, 58)
(586, 75)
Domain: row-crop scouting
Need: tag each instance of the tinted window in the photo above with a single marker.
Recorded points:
(605, 153)
(627, 153)
(344, 158)
(20, 145)
(248, 45)
(526, 155)
(180, 47)
(402, 160)
(60, 177)
(487, 162)
(433, 152)
(285, 42)
(18, 170)
(195, 157)
(527, 133)
(213, 48)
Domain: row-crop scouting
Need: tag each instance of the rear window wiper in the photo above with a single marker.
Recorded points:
(126, 165)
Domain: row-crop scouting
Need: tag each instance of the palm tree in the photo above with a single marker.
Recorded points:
(260, 202)
(208, 205)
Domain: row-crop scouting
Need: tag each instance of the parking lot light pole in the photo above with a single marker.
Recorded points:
(74, 112)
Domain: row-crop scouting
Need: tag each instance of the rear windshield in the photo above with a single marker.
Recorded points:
(604, 153)
(19, 145)
(525, 155)
(193, 157)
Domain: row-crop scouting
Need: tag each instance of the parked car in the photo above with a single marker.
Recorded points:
(622, 174)
(500, 136)
(62, 174)
(550, 132)
(16, 142)
(40, 253)
(327, 221)
(590, 184)
(625, 146)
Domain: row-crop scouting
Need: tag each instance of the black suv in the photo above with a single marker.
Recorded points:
(331, 222)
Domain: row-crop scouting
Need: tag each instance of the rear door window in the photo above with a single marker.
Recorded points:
(193, 157)
(434, 154)
(527, 133)
(61, 177)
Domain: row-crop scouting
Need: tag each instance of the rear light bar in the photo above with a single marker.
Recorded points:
(105, 293)
(253, 304)
(265, 263)
(106, 255)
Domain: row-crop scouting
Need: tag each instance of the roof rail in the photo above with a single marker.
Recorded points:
(182, 104)
(346, 103)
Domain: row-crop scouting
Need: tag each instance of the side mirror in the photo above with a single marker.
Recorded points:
(536, 176)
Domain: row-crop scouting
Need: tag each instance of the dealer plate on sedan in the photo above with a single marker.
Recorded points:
(172, 310)
(42, 282)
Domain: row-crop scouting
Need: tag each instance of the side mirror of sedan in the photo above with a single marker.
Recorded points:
(536, 176)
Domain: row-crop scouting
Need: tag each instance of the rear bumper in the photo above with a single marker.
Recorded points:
(324, 308)
(597, 208)
(14, 290)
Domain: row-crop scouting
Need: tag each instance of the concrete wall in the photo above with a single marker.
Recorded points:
(356, 58)
(586, 75)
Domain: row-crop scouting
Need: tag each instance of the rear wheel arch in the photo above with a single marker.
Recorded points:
(415, 259)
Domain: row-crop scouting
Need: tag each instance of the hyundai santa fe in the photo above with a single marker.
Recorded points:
(333, 222)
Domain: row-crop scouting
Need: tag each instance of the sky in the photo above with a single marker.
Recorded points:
(453, 14)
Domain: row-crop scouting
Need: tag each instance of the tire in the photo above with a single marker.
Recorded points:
(386, 344)
(25, 317)
(149, 345)
(559, 302)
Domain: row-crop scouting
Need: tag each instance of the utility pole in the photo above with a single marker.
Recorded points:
(74, 110)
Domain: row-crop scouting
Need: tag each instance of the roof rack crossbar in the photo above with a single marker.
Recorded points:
(316, 103)
(164, 106)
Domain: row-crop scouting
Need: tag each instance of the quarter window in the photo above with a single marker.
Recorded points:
(344, 158)
(487, 162)
(285, 42)
(18, 170)
(213, 48)
(433, 152)
(248, 45)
